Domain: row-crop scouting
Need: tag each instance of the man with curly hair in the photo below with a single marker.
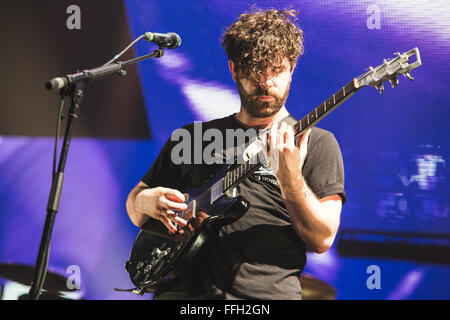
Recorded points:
(295, 205)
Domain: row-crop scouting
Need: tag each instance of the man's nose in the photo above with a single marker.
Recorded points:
(266, 81)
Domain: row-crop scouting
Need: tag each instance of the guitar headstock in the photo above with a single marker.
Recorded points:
(390, 70)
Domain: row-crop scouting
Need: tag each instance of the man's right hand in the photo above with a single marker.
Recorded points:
(161, 203)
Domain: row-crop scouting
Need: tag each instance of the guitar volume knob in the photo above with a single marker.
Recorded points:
(156, 252)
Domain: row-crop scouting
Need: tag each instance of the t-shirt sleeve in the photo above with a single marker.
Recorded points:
(324, 167)
(163, 172)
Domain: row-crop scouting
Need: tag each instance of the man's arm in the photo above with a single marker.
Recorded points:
(159, 203)
(315, 220)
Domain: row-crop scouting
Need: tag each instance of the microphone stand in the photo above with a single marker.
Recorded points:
(74, 89)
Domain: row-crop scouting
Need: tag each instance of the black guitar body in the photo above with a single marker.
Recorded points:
(157, 254)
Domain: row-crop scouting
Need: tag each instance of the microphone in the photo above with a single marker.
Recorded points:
(168, 40)
(85, 75)
(57, 83)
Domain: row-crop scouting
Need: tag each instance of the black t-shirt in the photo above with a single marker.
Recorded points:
(259, 256)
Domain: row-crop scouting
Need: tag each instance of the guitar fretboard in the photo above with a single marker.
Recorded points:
(241, 171)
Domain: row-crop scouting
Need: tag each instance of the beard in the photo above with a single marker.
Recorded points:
(259, 108)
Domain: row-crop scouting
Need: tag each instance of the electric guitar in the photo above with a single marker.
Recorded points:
(158, 255)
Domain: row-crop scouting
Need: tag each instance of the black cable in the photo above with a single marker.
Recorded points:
(58, 129)
(124, 50)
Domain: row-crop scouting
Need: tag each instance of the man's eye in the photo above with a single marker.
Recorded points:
(276, 72)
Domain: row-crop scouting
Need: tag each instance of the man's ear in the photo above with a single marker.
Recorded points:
(232, 68)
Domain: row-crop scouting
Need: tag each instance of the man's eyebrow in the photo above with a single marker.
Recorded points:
(279, 69)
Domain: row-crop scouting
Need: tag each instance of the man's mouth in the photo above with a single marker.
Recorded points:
(264, 97)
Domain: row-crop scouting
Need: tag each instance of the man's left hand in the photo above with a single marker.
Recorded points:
(284, 157)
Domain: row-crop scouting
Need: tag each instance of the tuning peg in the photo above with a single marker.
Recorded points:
(393, 81)
(408, 75)
(380, 87)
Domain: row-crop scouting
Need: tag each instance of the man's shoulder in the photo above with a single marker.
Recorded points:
(321, 136)
(320, 132)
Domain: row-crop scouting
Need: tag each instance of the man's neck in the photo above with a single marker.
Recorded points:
(261, 123)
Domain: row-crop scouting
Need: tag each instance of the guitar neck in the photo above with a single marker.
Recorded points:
(240, 172)
(326, 107)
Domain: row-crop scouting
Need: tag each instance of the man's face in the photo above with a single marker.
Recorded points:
(265, 96)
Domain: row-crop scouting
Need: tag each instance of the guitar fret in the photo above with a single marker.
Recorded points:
(311, 117)
(339, 95)
(319, 111)
(349, 87)
(304, 125)
(330, 103)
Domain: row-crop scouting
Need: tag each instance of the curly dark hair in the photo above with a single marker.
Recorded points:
(263, 39)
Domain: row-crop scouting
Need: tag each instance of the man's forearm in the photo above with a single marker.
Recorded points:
(312, 220)
(137, 217)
